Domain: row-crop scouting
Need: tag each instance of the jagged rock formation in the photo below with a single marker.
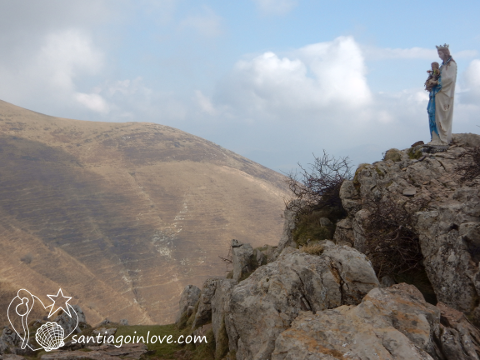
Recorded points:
(188, 299)
(329, 304)
(9, 340)
(245, 259)
(251, 314)
(242, 255)
(69, 324)
(448, 224)
(265, 304)
(277, 313)
(390, 323)
(204, 308)
(122, 216)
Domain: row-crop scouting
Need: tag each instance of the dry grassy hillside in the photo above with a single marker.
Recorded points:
(122, 216)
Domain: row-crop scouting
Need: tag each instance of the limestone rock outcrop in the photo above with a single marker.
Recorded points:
(188, 299)
(220, 307)
(9, 340)
(448, 225)
(266, 303)
(324, 301)
(459, 339)
(242, 256)
(286, 239)
(247, 317)
(69, 324)
(204, 309)
(303, 306)
(390, 323)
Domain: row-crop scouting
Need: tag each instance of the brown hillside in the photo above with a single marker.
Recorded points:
(122, 216)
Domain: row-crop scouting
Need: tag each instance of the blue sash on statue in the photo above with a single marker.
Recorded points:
(431, 106)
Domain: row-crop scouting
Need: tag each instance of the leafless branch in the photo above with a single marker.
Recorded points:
(392, 243)
(318, 186)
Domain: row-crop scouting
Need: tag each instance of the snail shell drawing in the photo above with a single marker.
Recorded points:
(50, 336)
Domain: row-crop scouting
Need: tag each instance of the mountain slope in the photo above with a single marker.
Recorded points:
(122, 216)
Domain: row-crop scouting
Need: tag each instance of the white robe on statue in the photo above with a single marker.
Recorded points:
(444, 104)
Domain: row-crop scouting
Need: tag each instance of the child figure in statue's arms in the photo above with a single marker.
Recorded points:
(433, 76)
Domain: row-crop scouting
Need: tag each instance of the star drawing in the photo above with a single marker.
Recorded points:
(60, 301)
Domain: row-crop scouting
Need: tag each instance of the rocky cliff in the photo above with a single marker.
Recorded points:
(324, 300)
(445, 213)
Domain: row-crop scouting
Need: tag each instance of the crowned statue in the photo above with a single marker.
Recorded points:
(441, 85)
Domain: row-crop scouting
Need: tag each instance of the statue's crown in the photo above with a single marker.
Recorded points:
(442, 47)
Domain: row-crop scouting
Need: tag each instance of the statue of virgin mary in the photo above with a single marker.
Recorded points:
(440, 105)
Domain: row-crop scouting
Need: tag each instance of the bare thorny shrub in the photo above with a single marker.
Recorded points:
(318, 187)
(392, 243)
(316, 195)
(470, 170)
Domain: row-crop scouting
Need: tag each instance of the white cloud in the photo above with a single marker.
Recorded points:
(340, 70)
(470, 93)
(67, 55)
(45, 76)
(127, 88)
(207, 23)
(276, 7)
(204, 103)
(472, 74)
(93, 102)
(311, 78)
(133, 100)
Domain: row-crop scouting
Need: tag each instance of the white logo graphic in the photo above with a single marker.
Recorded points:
(49, 336)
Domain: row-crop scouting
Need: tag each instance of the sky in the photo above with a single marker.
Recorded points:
(273, 80)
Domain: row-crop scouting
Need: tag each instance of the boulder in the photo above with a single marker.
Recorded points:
(344, 232)
(204, 310)
(69, 323)
(260, 257)
(242, 258)
(466, 139)
(287, 236)
(9, 341)
(223, 290)
(393, 155)
(262, 306)
(459, 339)
(188, 300)
(390, 323)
